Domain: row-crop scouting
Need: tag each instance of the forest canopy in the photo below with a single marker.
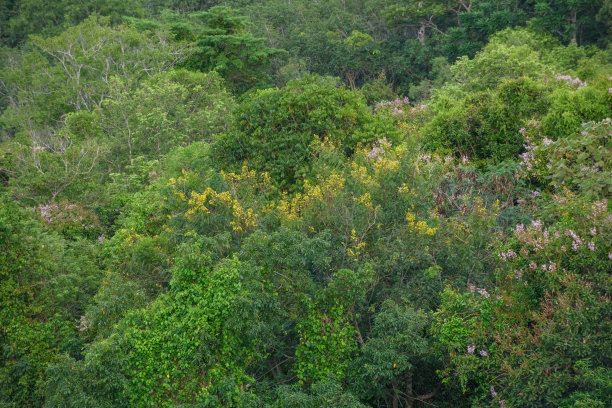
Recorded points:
(293, 203)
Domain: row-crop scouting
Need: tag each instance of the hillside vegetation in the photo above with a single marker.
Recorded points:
(297, 203)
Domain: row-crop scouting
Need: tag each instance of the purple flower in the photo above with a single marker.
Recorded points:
(101, 238)
(483, 353)
(425, 157)
(483, 292)
(471, 349)
(600, 207)
(493, 393)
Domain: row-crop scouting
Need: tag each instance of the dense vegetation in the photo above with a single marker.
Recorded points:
(297, 203)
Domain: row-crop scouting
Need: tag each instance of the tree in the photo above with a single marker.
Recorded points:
(569, 20)
(26, 17)
(69, 73)
(172, 109)
(275, 128)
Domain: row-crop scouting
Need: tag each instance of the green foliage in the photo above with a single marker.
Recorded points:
(213, 319)
(378, 90)
(326, 345)
(390, 356)
(328, 394)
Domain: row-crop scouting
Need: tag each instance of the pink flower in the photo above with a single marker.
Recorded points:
(471, 349)
(483, 292)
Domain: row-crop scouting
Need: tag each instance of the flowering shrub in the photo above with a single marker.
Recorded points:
(581, 161)
(540, 333)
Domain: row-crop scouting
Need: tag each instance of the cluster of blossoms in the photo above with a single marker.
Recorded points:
(419, 108)
(572, 81)
(535, 235)
(528, 159)
(378, 149)
(472, 348)
(536, 238)
(392, 104)
(600, 207)
(546, 268)
(425, 157)
(502, 403)
(510, 254)
(400, 106)
(482, 291)
(591, 169)
(578, 243)
(429, 158)
(416, 109)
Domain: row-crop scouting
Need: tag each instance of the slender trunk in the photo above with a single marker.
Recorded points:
(573, 22)
(409, 401)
